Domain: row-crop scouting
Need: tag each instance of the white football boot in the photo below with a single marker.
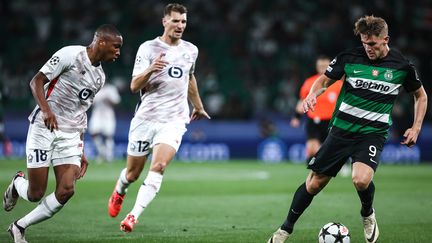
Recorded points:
(370, 225)
(280, 236)
(17, 233)
(11, 196)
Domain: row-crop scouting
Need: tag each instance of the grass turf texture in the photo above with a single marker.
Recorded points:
(237, 201)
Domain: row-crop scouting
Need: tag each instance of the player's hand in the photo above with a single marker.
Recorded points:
(198, 114)
(309, 103)
(410, 137)
(84, 165)
(158, 64)
(50, 120)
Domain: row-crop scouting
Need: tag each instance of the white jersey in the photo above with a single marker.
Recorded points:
(103, 118)
(166, 98)
(74, 81)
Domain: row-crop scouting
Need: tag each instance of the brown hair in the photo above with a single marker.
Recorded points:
(371, 25)
(174, 7)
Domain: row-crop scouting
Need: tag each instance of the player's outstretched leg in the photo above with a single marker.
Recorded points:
(370, 225)
(17, 233)
(280, 236)
(128, 223)
(11, 196)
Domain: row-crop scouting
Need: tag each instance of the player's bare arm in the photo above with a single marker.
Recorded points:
(84, 162)
(140, 81)
(193, 95)
(319, 86)
(420, 106)
(37, 88)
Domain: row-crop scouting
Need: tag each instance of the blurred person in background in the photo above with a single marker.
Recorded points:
(164, 76)
(374, 74)
(4, 140)
(317, 122)
(64, 89)
(102, 122)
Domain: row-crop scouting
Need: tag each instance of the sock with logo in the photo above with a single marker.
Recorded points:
(301, 200)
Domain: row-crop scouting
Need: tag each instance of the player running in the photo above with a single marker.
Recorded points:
(64, 89)
(164, 76)
(374, 75)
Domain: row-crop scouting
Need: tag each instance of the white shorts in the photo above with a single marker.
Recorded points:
(100, 125)
(44, 147)
(144, 135)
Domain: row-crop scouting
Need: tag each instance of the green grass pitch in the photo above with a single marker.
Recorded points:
(236, 201)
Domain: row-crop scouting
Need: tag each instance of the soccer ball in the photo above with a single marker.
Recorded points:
(334, 233)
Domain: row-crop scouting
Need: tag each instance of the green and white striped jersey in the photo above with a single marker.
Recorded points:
(368, 93)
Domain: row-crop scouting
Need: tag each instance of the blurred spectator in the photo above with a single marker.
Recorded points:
(103, 122)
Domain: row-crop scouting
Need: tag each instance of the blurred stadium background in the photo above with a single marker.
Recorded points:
(254, 55)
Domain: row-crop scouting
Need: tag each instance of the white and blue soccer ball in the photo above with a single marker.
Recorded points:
(334, 233)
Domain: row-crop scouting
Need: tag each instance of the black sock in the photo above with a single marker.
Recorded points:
(366, 199)
(302, 199)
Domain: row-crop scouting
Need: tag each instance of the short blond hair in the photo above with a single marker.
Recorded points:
(371, 25)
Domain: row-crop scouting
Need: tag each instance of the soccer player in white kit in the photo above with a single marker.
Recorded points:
(164, 75)
(64, 89)
(102, 122)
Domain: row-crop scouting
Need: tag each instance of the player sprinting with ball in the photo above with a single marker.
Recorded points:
(374, 75)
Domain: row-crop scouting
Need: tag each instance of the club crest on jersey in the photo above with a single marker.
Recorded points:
(388, 75)
(54, 60)
(375, 72)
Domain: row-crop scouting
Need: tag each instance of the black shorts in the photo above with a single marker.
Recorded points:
(317, 130)
(335, 151)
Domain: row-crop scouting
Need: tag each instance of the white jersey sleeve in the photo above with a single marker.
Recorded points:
(142, 60)
(60, 61)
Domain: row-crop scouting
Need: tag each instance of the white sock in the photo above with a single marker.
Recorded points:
(21, 185)
(109, 149)
(147, 193)
(100, 146)
(122, 183)
(45, 210)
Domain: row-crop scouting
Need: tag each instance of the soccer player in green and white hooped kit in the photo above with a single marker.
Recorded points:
(374, 74)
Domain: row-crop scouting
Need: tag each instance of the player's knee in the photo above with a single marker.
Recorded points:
(65, 193)
(360, 183)
(35, 196)
(159, 167)
(132, 176)
(314, 186)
